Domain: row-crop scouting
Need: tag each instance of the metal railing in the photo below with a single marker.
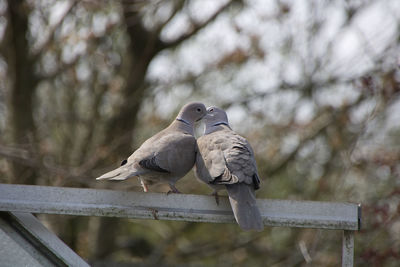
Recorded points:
(181, 207)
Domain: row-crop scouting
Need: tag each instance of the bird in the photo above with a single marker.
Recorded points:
(226, 160)
(166, 156)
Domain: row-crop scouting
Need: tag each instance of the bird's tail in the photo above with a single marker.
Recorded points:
(122, 173)
(243, 202)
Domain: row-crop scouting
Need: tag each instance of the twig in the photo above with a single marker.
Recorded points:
(53, 28)
(196, 28)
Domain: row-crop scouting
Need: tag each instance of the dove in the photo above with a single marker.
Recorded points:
(165, 157)
(226, 160)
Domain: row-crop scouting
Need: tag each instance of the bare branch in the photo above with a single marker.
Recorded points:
(195, 29)
(320, 124)
(178, 7)
(53, 28)
(63, 66)
(17, 154)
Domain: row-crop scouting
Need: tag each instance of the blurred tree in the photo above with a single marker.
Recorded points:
(23, 82)
(43, 50)
(314, 86)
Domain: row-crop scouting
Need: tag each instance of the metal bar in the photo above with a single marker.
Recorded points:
(348, 249)
(359, 217)
(197, 208)
(49, 249)
(15, 249)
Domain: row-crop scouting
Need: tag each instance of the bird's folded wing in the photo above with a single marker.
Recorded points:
(167, 153)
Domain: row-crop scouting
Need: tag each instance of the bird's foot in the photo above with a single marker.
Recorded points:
(145, 187)
(154, 212)
(173, 190)
(215, 194)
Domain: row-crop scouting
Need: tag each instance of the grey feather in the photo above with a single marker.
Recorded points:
(226, 160)
(122, 173)
(244, 206)
(167, 156)
(151, 164)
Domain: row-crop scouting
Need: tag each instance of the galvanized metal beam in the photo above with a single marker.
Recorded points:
(196, 208)
(29, 243)
(348, 249)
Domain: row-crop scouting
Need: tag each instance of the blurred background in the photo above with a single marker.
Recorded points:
(313, 85)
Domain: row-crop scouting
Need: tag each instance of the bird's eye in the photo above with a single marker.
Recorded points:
(198, 109)
(124, 162)
(211, 109)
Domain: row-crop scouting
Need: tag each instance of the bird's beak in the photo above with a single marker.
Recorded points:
(199, 119)
(202, 117)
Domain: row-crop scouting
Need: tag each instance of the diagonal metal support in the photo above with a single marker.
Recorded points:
(30, 243)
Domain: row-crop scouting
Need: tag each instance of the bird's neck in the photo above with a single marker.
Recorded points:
(216, 126)
(184, 121)
(183, 125)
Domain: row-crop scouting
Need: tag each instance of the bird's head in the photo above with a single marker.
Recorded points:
(192, 112)
(215, 117)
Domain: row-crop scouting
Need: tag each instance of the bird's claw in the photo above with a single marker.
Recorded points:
(215, 194)
(145, 187)
(154, 212)
(173, 190)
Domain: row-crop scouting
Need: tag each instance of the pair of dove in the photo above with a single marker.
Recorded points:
(222, 159)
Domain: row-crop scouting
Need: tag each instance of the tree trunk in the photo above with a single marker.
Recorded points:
(23, 83)
(143, 48)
